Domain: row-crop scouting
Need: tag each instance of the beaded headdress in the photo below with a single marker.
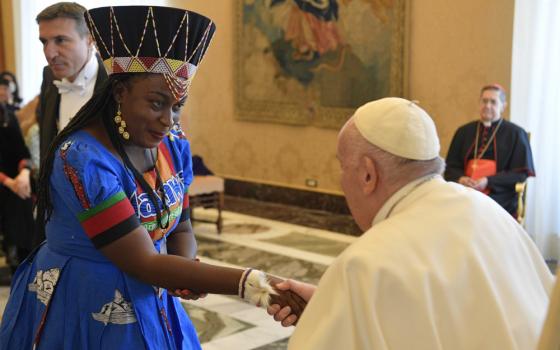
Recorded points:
(151, 39)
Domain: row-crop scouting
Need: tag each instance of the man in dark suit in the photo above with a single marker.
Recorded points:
(74, 70)
(73, 73)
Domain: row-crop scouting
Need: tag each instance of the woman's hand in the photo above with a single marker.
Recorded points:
(15, 186)
(23, 184)
(186, 294)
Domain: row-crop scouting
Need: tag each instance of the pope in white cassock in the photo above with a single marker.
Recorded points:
(440, 266)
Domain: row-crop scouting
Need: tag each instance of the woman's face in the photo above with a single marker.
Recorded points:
(149, 108)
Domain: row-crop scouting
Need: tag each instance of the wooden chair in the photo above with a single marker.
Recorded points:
(207, 192)
(521, 189)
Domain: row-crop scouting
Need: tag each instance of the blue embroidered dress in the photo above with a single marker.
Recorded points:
(68, 295)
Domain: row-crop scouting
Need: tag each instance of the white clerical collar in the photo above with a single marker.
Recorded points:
(84, 77)
(490, 123)
(398, 196)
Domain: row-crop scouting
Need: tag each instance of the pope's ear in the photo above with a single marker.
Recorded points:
(370, 177)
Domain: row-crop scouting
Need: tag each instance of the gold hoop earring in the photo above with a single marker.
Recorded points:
(121, 124)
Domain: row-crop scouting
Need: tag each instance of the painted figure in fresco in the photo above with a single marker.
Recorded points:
(310, 44)
(310, 27)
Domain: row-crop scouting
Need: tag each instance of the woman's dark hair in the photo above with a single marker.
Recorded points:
(15, 94)
(102, 105)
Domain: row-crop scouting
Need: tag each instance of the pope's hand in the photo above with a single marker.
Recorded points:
(286, 315)
(286, 298)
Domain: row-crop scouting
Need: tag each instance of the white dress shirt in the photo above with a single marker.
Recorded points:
(73, 95)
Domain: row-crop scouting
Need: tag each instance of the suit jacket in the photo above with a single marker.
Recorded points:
(49, 103)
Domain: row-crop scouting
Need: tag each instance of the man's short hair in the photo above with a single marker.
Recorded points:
(70, 10)
(495, 87)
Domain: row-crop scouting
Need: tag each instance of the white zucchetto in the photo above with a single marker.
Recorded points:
(399, 127)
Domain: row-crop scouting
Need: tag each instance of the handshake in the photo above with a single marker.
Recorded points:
(285, 300)
(276, 295)
(291, 299)
(290, 302)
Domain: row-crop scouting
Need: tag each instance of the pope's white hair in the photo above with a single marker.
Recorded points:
(393, 169)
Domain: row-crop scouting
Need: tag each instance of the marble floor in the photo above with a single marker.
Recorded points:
(296, 215)
(279, 248)
(271, 239)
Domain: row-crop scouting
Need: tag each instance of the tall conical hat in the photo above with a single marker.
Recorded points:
(151, 39)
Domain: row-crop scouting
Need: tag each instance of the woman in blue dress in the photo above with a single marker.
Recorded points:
(113, 190)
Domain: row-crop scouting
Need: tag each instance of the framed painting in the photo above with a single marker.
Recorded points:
(312, 62)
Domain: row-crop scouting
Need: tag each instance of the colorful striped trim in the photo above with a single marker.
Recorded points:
(166, 320)
(164, 150)
(77, 185)
(159, 65)
(73, 177)
(109, 220)
(109, 202)
(116, 232)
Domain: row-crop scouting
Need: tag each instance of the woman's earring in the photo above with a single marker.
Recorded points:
(121, 123)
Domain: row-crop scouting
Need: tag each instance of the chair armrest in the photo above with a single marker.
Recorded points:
(520, 189)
